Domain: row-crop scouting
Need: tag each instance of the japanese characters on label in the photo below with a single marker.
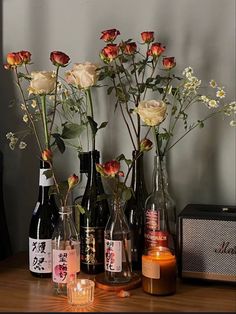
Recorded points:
(92, 245)
(113, 256)
(40, 257)
(64, 265)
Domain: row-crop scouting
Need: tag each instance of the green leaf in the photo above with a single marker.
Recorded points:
(93, 125)
(127, 193)
(109, 90)
(80, 208)
(72, 130)
(20, 75)
(60, 143)
(103, 125)
(48, 173)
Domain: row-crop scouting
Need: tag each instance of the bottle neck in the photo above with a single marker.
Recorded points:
(137, 179)
(160, 175)
(45, 182)
(65, 212)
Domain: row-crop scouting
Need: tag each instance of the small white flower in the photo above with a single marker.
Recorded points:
(51, 97)
(25, 118)
(220, 93)
(204, 98)
(213, 103)
(14, 140)
(213, 83)
(188, 71)
(22, 145)
(9, 135)
(34, 103)
(12, 146)
(23, 106)
(232, 106)
(232, 123)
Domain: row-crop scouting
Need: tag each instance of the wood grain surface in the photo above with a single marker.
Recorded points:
(21, 292)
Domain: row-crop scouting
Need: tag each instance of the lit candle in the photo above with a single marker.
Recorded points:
(159, 271)
(80, 292)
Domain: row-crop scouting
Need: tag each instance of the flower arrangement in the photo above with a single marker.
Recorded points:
(135, 70)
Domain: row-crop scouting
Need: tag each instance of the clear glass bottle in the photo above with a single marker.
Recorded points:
(93, 222)
(160, 211)
(43, 220)
(65, 251)
(134, 210)
(118, 267)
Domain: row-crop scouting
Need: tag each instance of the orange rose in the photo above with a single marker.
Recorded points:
(169, 62)
(59, 58)
(156, 50)
(129, 48)
(147, 37)
(110, 169)
(47, 155)
(109, 35)
(109, 53)
(14, 59)
(72, 180)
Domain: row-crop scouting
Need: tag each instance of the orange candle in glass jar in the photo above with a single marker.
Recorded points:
(159, 271)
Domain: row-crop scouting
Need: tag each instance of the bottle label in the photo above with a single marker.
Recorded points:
(150, 269)
(152, 219)
(40, 256)
(43, 180)
(92, 245)
(64, 265)
(113, 256)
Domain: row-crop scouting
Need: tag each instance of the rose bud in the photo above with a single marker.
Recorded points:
(110, 35)
(109, 53)
(111, 168)
(7, 66)
(25, 56)
(145, 145)
(169, 62)
(100, 169)
(129, 48)
(59, 58)
(14, 59)
(147, 37)
(156, 50)
(72, 181)
(47, 155)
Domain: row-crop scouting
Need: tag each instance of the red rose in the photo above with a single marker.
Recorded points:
(72, 180)
(169, 62)
(147, 37)
(145, 145)
(25, 56)
(14, 59)
(111, 168)
(47, 155)
(129, 48)
(109, 53)
(110, 35)
(156, 50)
(59, 58)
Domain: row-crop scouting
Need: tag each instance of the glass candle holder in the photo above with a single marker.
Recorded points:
(159, 271)
(80, 292)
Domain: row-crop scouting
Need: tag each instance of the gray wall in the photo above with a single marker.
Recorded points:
(199, 33)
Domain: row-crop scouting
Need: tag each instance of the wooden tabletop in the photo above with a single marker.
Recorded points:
(21, 292)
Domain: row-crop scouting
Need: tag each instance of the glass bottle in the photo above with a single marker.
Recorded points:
(134, 210)
(65, 251)
(118, 266)
(93, 222)
(44, 218)
(84, 169)
(160, 211)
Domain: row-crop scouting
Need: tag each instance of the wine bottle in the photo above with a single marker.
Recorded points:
(42, 224)
(160, 211)
(93, 222)
(65, 251)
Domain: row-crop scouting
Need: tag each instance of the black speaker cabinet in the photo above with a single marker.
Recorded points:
(207, 242)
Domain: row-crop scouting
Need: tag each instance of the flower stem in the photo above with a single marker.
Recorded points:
(89, 95)
(55, 101)
(45, 125)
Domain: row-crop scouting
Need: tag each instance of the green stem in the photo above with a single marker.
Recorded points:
(45, 125)
(89, 95)
(55, 101)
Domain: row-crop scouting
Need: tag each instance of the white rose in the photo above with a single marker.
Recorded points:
(42, 82)
(82, 75)
(152, 112)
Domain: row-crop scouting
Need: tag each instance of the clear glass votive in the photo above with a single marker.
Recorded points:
(80, 292)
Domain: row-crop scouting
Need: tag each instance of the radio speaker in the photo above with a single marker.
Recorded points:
(207, 242)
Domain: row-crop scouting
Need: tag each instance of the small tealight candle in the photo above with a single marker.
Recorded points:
(159, 271)
(80, 292)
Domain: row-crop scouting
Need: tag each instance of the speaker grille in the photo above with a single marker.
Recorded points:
(209, 246)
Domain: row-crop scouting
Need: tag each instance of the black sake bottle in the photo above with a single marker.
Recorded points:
(92, 224)
(42, 224)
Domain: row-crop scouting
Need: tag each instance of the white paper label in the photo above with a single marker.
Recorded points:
(40, 256)
(43, 180)
(64, 265)
(113, 256)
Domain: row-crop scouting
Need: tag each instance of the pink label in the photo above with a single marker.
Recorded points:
(113, 256)
(64, 265)
(152, 219)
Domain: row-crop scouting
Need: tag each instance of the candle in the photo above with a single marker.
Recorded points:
(159, 271)
(80, 292)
